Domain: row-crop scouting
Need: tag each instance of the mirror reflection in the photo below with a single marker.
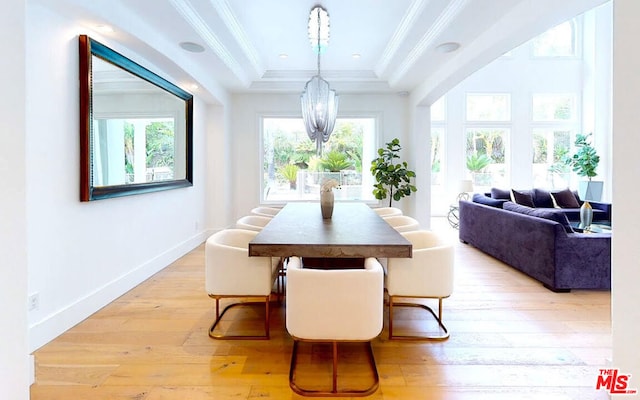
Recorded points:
(134, 129)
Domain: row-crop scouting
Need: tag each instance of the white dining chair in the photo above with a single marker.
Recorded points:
(231, 273)
(403, 223)
(333, 306)
(387, 211)
(269, 212)
(427, 275)
(252, 222)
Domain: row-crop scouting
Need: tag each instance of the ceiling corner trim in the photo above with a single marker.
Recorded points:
(231, 22)
(187, 11)
(399, 35)
(427, 39)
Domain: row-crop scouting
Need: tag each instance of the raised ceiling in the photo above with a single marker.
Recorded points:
(245, 41)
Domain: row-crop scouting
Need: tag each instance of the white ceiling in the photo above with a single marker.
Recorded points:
(243, 39)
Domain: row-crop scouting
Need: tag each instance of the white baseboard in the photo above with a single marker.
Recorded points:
(32, 369)
(59, 322)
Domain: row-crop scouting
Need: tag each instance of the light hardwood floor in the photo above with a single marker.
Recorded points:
(510, 339)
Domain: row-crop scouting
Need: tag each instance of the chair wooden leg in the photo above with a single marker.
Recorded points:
(438, 318)
(236, 337)
(333, 392)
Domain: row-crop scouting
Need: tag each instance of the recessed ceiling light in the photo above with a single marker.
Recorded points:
(356, 56)
(284, 56)
(448, 47)
(192, 47)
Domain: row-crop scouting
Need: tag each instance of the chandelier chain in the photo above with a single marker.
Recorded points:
(318, 48)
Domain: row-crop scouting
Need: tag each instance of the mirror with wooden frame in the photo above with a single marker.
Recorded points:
(136, 128)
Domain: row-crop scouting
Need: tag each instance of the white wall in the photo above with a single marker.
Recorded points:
(626, 170)
(246, 111)
(81, 256)
(14, 367)
(219, 196)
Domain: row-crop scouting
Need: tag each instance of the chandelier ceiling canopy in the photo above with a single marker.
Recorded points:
(319, 102)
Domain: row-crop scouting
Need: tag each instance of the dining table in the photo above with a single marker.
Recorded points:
(354, 232)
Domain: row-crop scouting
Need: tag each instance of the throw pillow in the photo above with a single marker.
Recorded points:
(500, 194)
(542, 198)
(487, 201)
(523, 198)
(565, 199)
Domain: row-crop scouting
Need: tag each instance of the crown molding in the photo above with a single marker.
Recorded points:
(329, 75)
(190, 15)
(443, 20)
(223, 9)
(399, 35)
(341, 87)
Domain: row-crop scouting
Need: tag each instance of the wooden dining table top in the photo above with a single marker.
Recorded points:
(354, 231)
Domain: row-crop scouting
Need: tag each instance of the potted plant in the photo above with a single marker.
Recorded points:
(290, 173)
(394, 179)
(335, 161)
(584, 163)
(476, 163)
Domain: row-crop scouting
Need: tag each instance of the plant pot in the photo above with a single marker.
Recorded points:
(590, 190)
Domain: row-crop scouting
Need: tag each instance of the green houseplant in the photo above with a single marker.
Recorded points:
(335, 161)
(290, 173)
(393, 179)
(476, 163)
(584, 163)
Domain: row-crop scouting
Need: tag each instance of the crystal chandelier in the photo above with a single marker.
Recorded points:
(319, 102)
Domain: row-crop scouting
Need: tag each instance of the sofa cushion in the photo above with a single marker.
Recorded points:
(500, 194)
(565, 199)
(542, 198)
(552, 215)
(523, 198)
(487, 201)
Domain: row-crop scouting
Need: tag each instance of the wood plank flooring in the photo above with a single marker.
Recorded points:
(510, 339)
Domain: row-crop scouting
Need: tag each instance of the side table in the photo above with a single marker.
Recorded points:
(452, 216)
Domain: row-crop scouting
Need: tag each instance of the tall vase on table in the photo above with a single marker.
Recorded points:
(586, 215)
(327, 197)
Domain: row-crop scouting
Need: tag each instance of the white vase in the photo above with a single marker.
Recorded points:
(326, 203)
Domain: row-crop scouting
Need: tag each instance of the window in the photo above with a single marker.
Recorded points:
(556, 42)
(556, 115)
(489, 107)
(485, 157)
(291, 170)
(550, 147)
(437, 138)
(553, 107)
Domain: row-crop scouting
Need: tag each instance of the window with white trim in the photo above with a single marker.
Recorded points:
(291, 170)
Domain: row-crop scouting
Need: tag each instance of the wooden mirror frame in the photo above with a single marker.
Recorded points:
(88, 49)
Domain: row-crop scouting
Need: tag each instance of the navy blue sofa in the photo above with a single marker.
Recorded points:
(539, 243)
